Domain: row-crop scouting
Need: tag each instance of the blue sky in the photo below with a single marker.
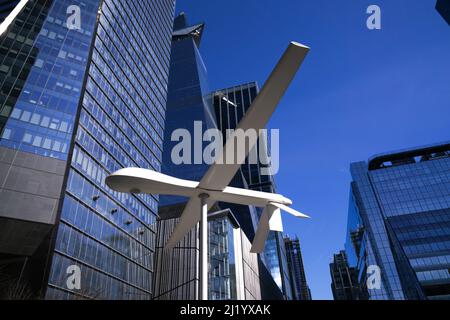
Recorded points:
(359, 93)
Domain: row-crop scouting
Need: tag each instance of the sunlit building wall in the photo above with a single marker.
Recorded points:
(399, 224)
(78, 103)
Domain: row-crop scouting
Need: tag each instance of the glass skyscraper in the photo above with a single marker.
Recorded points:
(190, 108)
(75, 105)
(230, 106)
(186, 105)
(296, 268)
(399, 224)
(234, 271)
(186, 101)
(344, 279)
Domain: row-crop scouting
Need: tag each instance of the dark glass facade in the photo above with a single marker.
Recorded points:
(230, 106)
(6, 6)
(344, 279)
(399, 215)
(186, 101)
(93, 98)
(443, 7)
(189, 102)
(176, 275)
(176, 271)
(296, 268)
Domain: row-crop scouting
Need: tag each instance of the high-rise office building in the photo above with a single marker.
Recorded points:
(186, 103)
(186, 107)
(398, 233)
(230, 106)
(233, 271)
(344, 279)
(189, 107)
(443, 7)
(78, 102)
(296, 269)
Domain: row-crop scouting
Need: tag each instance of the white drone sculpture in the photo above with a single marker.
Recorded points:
(214, 185)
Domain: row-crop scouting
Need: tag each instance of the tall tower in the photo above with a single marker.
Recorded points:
(79, 101)
(190, 109)
(230, 106)
(397, 233)
(344, 279)
(296, 269)
(187, 109)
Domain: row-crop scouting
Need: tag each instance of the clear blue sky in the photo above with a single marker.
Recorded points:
(359, 93)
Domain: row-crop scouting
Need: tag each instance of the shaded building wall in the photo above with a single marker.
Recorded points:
(176, 276)
(186, 103)
(230, 106)
(344, 279)
(299, 284)
(234, 271)
(176, 271)
(6, 6)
